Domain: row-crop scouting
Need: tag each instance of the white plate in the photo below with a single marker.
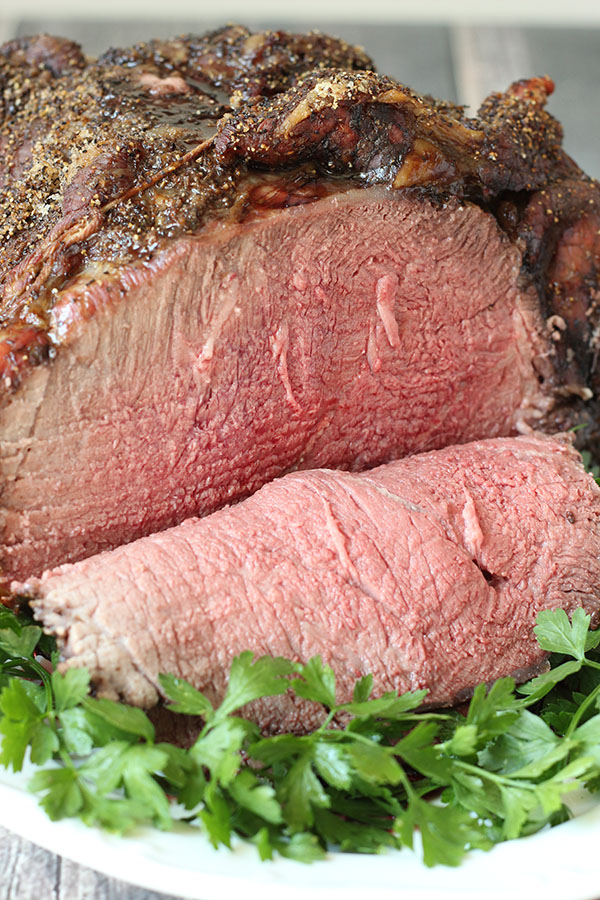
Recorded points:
(557, 864)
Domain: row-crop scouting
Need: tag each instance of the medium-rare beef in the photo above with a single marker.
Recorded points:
(428, 572)
(228, 257)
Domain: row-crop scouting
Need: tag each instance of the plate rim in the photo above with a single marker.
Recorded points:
(575, 877)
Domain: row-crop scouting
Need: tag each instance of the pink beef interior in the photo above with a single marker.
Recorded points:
(428, 572)
(346, 332)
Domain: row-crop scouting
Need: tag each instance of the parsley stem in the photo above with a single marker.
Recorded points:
(425, 717)
(581, 709)
(22, 666)
(501, 780)
(329, 719)
(66, 758)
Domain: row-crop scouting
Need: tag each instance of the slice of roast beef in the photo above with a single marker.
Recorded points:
(427, 572)
(232, 256)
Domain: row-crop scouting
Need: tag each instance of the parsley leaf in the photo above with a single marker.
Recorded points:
(16, 640)
(555, 632)
(299, 792)
(219, 748)
(250, 681)
(360, 782)
(187, 699)
(256, 796)
(70, 689)
(316, 683)
(129, 719)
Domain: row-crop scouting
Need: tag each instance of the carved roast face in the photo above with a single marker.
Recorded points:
(427, 572)
(228, 257)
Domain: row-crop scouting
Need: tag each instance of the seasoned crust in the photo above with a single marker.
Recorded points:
(372, 125)
(105, 161)
(243, 64)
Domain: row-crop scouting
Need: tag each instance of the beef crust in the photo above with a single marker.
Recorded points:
(105, 161)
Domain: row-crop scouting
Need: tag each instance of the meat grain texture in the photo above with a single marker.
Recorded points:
(231, 256)
(427, 572)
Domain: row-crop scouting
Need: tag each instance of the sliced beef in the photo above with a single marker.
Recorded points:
(303, 339)
(231, 256)
(428, 572)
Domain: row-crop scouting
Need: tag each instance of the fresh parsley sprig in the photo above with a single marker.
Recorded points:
(374, 773)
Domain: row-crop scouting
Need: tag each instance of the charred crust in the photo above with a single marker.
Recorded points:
(28, 63)
(240, 62)
(43, 53)
(99, 168)
(557, 230)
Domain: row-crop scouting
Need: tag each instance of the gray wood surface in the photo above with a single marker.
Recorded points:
(462, 63)
(29, 873)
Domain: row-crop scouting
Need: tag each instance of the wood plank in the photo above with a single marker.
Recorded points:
(571, 56)
(419, 56)
(580, 12)
(28, 872)
(98, 35)
(486, 60)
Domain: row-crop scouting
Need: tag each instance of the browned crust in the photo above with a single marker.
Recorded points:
(374, 126)
(106, 161)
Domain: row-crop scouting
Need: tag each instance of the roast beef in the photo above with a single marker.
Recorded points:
(428, 572)
(228, 257)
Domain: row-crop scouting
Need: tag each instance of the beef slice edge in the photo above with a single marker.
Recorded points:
(343, 333)
(428, 573)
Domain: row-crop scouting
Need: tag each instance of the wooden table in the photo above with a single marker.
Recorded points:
(29, 873)
(461, 64)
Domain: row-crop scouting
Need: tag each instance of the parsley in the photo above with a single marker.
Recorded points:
(374, 773)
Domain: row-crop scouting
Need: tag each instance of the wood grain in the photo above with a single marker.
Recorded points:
(29, 873)
(487, 59)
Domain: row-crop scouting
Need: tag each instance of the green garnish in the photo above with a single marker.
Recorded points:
(501, 771)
